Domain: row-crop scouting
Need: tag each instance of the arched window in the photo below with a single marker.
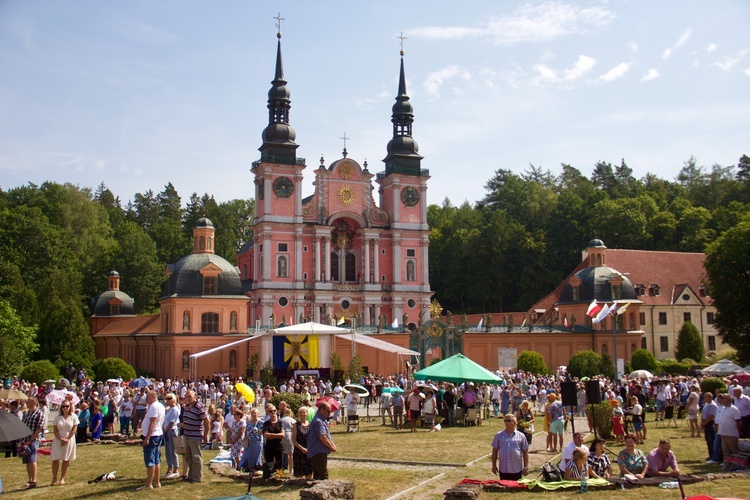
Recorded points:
(281, 267)
(210, 243)
(185, 360)
(210, 323)
(334, 266)
(633, 326)
(632, 348)
(593, 259)
(411, 274)
(351, 267)
(202, 243)
(599, 259)
(233, 359)
(644, 344)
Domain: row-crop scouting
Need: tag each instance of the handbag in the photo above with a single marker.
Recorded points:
(551, 473)
(179, 444)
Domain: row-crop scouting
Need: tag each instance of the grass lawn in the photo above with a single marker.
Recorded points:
(372, 480)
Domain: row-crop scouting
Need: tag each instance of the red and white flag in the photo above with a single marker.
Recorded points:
(565, 322)
(593, 309)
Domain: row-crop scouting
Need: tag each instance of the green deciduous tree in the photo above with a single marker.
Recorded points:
(16, 341)
(39, 371)
(728, 272)
(113, 368)
(532, 362)
(642, 359)
(585, 364)
(690, 343)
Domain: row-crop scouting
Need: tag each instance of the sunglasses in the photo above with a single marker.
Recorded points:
(271, 411)
(65, 406)
(506, 421)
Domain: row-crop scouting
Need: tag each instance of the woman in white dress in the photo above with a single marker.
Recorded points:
(64, 444)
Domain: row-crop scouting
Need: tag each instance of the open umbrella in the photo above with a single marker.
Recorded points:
(113, 381)
(57, 396)
(139, 382)
(11, 427)
(362, 391)
(641, 374)
(393, 390)
(245, 391)
(12, 394)
(335, 405)
(428, 386)
(585, 379)
(50, 381)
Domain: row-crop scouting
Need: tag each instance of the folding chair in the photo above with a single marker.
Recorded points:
(471, 416)
(739, 460)
(668, 416)
(352, 423)
(459, 417)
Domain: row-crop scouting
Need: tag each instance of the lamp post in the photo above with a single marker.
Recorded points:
(614, 319)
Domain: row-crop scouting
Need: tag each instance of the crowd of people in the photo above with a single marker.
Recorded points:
(183, 418)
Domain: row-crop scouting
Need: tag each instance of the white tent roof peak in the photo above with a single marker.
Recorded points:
(310, 328)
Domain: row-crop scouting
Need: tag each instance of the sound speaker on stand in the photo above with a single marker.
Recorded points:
(568, 391)
(593, 392)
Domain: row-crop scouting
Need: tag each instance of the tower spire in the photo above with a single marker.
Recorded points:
(278, 136)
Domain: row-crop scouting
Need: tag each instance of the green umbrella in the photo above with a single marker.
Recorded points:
(458, 368)
(585, 379)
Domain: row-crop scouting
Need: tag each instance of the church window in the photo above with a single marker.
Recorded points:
(410, 252)
(616, 292)
(166, 322)
(260, 247)
(662, 318)
(210, 243)
(304, 248)
(202, 243)
(210, 323)
(283, 247)
(709, 318)
(351, 267)
(411, 271)
(210, 285)
(233, 359)
(644, 343)
(664, 344)
(345, 304)
(382, 251)
(632, 348)
(686, 316)
(642, 318)
(304, 276)
(598, 260)
(411, 303)
(281, 269)
(334, 266)
(185, 360)
(283, 301)
(633, 326)
(593, 260)
(576, 293)
(712, 342)
(114, 309)
(261, 266)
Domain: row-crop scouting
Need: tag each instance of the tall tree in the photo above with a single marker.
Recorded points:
(16, 341)
(137, 262)
(690, 343)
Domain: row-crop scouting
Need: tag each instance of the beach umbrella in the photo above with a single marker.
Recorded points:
(458, 368)
(57, 396)
(640, 374)
(113, 381)
(585, 379)
(12, 428)
(335, 405)
(139, 382)
(12, 394)
(393, 390)
(425, 385)
(362, 391)
(246, 392)
(50, 381)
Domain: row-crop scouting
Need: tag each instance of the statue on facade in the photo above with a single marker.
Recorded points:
(449, 318)
(233, 321)
(420, 321)
(186, 321)
(328, 319)
(301, 318)
(381, 322)
(530, 324)
(464, 322)
(283, 319)
(552, 318)
(488, 323)
(273, 320)
(505, 320)
(405, 323)
(510, 323)
(572, 322)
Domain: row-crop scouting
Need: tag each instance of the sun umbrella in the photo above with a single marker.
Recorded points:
(57, 396)
(362, 391)
(427, 386)
(113, 381)
(50, 381)
(139, 382)
(335, 405)
(393, 390)
(11, 427)
(246, 392)
(585, 379)
(458, 368)
(12, 394)
(641, 374)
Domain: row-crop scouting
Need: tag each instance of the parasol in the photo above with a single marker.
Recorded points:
(335, 405)
(57, 396)
(362, 391)
(139, 382)
(12, 428)
(641, 374)
(393, 390)
(12, 394)
(245, 391)
(113, 381)
(50, 381)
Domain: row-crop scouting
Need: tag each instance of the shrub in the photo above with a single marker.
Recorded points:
(266, 375)
(585, 364)
(532, 362)
(293, 400)
(711, 384)
(39, 371)
(674, 367)
(728, 353)
(690, 343)
(355, 368)
(607, 367)
(113, 368)
(642, 359)
(602, 418)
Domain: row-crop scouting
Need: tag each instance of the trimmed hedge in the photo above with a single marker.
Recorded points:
(293, 400)
(711, 384)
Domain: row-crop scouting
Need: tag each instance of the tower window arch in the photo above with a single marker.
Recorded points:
(202, 243)
(334, 266)
(210, 322)
(351, 267)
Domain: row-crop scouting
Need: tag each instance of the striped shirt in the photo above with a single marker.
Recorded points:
(192, 421)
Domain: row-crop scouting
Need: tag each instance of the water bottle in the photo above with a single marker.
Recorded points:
(669, 485)
(584, 483)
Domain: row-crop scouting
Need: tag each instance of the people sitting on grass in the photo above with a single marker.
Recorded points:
(578, 468)
(599, 462)
(632, 460)
(661, 461)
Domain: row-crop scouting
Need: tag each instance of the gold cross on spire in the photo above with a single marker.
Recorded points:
(344, 138)
(401, 37)
(278, 23)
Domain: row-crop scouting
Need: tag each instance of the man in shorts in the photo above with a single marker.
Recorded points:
(34, 420)
(153, 435)
(414, 402)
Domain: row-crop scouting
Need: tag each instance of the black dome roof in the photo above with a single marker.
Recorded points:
(101, 303)
(203, 222)
(596, 243)
(595, 284)
(186, 279)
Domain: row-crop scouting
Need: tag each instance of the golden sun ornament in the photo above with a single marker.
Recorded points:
(345, 195)
(435, 309)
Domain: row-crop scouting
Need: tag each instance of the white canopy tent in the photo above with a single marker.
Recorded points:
(358, 338)
(310, 328)
(194, 357)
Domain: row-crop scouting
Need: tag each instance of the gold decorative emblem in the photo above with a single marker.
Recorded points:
(345, 171)
(345, 195)
(435, 331)
(436, 310)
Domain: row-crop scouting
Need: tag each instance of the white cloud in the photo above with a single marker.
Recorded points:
(548, 75)
(527, 24)
(728, 62)
(747, 71)
(652, 74)
(711, 47)
(616, 72)
(679, 43)
(632, 46)
(435, 81)
(547, 55)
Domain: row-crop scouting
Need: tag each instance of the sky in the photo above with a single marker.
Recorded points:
(140, 93)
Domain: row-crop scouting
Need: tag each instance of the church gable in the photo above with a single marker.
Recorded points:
(210, 269)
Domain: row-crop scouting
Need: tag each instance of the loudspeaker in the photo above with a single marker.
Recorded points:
(568, 391)
(593, 392)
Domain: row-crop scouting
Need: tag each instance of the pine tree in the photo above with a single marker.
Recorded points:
(690, 343)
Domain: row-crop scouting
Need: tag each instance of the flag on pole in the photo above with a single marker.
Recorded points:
(603, 313)
(395, 324)
(341, 320)
(593, 309)
(621, 310)
(523, 323)
(565, 322)
(479, 325)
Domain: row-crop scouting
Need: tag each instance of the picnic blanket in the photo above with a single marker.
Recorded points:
(490, 482)
(559, 485)
(224, 457)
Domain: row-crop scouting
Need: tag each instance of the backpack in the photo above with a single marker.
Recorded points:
(551, 473)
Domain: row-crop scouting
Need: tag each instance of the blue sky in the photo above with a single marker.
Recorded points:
(139, 93)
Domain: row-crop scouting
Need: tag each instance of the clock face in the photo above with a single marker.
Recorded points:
(410, 196)
(283, 187)
(261, 189)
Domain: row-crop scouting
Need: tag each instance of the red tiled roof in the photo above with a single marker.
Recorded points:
(140, 325)
(671, 271)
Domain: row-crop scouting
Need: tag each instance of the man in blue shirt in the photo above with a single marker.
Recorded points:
(512, 449)
(319, 442)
